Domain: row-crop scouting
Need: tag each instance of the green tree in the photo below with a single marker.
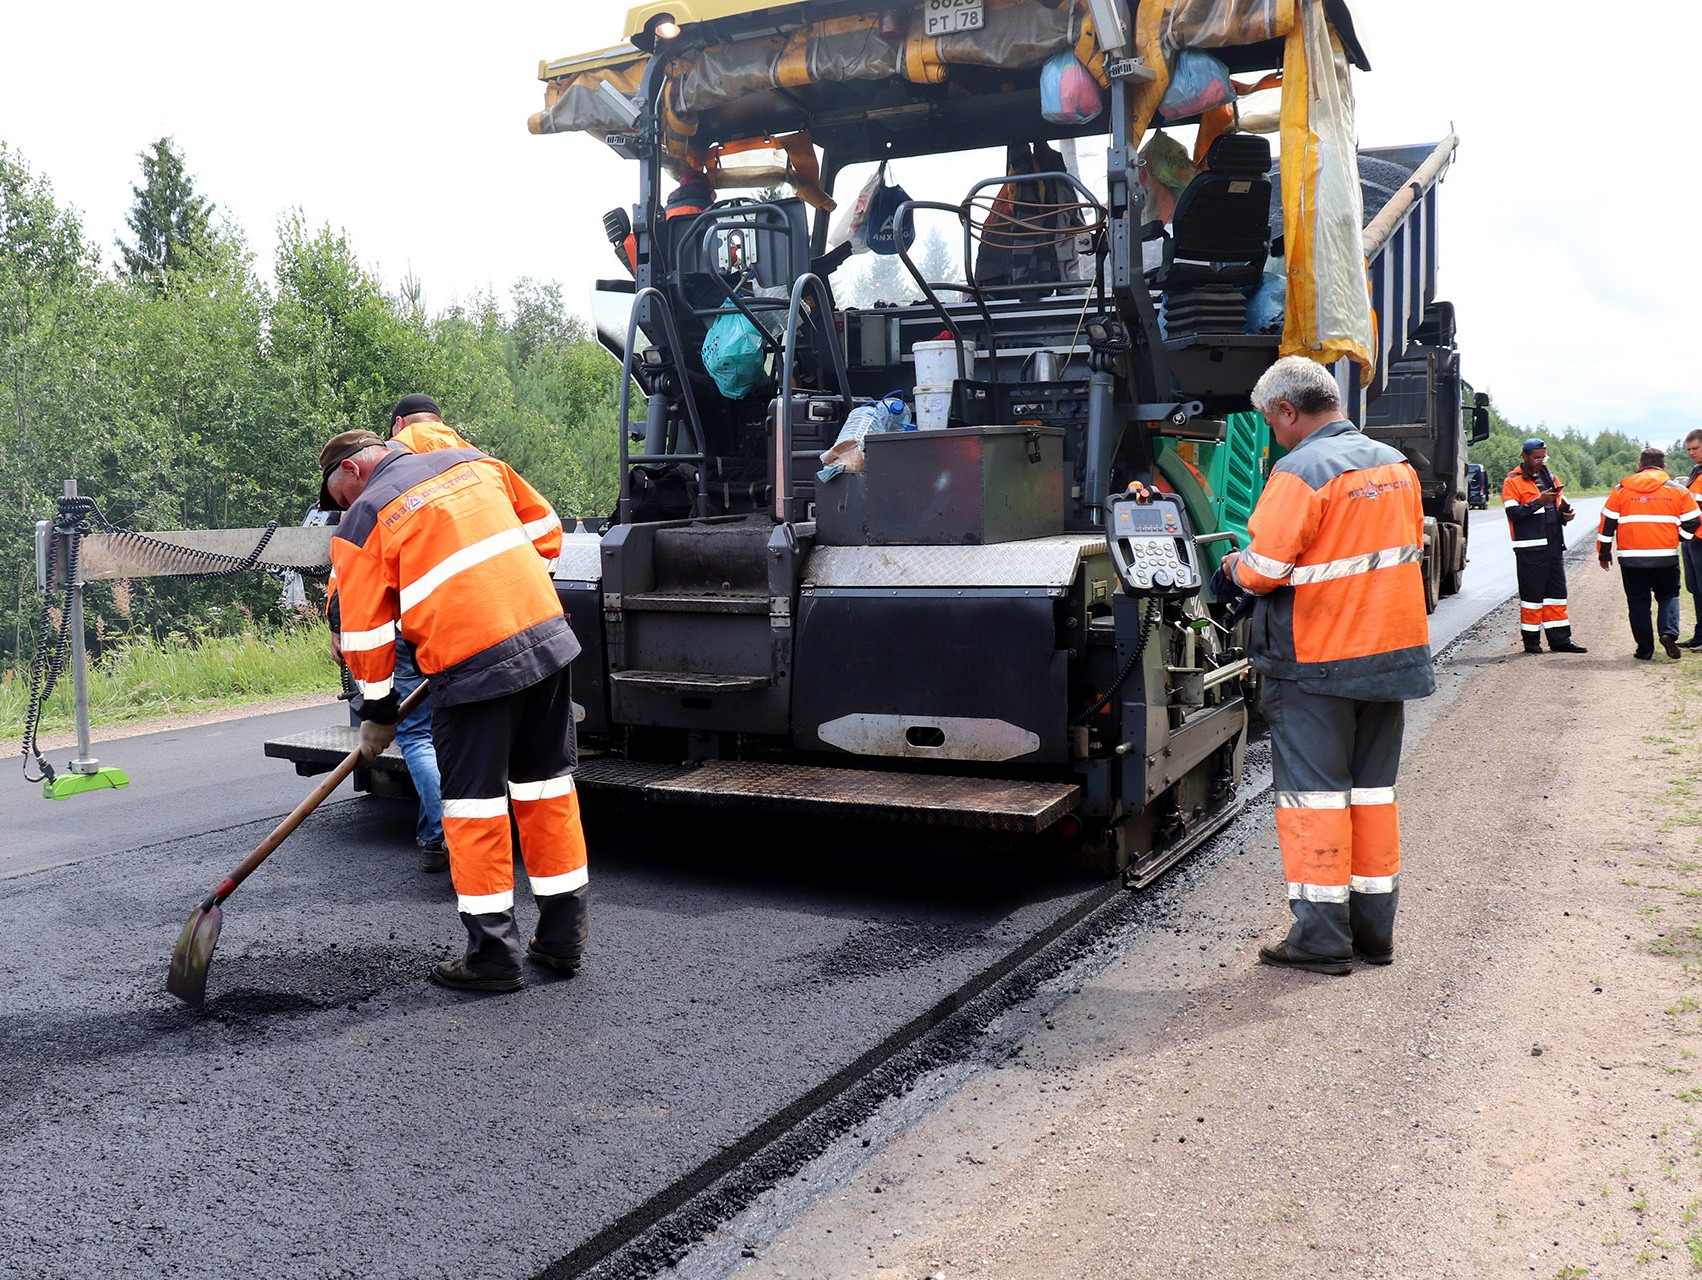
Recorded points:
(170, 220)
(54, 331)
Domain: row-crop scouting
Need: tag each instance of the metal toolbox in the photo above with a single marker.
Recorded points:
(954, 486)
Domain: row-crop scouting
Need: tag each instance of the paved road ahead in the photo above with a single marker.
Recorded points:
(334, 1115)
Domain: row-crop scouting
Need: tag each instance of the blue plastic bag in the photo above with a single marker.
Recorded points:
(1198, 82)
(733, 355)
(1267, 303)
(1068, 92)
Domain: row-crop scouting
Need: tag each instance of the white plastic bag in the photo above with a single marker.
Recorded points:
(853, 224)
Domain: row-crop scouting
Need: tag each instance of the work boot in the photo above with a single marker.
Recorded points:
(1278, 954)
(1644, 655)
(1533, 648)
(1366, 956)
(456, 974)
(566, 966)
(1695, 641)
(1567, 646)
(434, 857)
(1670, 644)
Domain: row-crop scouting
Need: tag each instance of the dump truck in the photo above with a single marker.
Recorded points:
(999, 621)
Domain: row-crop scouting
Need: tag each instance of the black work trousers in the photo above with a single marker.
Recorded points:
(1542, 595)
(1642, 582)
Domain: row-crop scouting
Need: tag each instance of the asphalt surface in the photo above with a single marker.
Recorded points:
(331, 1114)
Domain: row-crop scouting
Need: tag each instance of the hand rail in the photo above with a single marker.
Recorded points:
(699, 440)
(783, 501)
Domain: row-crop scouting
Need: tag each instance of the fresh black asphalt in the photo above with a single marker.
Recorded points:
(331, 1114)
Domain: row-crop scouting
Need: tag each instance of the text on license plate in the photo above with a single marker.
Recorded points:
(946, 16)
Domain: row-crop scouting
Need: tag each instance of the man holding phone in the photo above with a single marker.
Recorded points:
(1536, 514)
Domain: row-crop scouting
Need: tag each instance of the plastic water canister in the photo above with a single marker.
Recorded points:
(936, 363)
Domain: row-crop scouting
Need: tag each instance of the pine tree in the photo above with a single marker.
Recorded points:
(168, 217)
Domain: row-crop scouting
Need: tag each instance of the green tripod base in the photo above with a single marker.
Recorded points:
(66, 785)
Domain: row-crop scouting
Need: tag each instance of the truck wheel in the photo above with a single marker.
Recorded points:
(1432, 568)
(1454, 578)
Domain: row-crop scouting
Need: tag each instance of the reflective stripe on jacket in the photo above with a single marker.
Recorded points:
(1530, 522)
(1647, 515)
(1336, 545)
(457, 550)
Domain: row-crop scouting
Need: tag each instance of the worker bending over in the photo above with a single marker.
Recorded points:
(1340, 637)
(455, 550)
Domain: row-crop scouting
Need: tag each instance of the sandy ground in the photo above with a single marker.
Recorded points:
(1520, 1094)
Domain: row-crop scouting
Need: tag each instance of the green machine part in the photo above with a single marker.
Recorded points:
(1219, 482)
(65, 785)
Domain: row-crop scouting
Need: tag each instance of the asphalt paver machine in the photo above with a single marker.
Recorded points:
(999, 621)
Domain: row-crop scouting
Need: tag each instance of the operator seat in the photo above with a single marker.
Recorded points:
(1220, 239)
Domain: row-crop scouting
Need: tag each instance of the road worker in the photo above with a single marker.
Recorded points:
(1647, 516)
(1536, 516)
(455, 550)
(1340, 636)
(417, 424)
(1692, 547)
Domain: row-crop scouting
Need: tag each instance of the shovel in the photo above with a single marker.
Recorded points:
(187, 979)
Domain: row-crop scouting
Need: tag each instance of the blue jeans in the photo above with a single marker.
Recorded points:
(413, 739)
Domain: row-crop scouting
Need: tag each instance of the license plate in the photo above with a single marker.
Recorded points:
(943, 17)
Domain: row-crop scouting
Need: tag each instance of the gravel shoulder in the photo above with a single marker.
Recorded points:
(1520, 1094)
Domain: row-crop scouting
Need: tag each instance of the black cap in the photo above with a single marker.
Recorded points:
(407, 406)
(339, 448)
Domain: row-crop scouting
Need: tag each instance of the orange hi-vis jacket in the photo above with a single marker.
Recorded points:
(1647, 515)
(425, 436)
(1336, 546)
(1530, 522)
(456, 550)
(417, 437)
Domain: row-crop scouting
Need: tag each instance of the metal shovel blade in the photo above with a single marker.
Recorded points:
(187, 979)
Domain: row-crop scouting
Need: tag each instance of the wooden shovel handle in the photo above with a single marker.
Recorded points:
(298, 815)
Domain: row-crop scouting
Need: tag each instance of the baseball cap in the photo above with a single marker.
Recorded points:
(407, 406)
(339, 448)
(1534, 443)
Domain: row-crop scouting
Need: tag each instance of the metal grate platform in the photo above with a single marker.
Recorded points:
(981, 804)
(977, 804)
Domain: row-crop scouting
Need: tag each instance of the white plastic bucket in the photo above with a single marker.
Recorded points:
(936, 363)
(933, 407)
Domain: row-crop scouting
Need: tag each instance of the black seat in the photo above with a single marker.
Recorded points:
(1220, 232)
(780, 237)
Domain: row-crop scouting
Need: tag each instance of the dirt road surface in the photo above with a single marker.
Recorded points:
(1520, 1094)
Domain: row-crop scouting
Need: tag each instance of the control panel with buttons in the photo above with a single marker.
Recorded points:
(1152, 544)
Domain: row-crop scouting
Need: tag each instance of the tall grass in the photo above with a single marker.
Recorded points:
(137, 678)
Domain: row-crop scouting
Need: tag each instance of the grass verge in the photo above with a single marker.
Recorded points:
(138, 678)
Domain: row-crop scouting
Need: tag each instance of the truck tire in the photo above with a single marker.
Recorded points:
(1454, 576)
(1432, 564)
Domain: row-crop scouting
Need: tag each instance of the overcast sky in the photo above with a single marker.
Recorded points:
(1567, 228)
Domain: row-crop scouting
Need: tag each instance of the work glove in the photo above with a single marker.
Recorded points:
(374, 738)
